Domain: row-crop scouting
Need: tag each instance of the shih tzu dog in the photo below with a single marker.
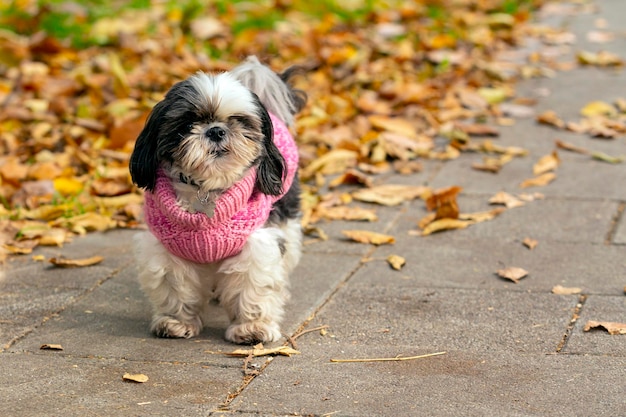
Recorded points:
(219, 167)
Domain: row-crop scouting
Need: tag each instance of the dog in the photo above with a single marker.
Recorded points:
(222, 201)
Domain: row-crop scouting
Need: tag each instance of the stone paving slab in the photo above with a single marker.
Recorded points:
(458, 383)
(599, 342)
(55, 384)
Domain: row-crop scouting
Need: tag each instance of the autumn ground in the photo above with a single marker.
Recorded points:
(423, 118)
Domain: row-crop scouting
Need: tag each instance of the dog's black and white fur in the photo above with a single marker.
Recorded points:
(206, 134)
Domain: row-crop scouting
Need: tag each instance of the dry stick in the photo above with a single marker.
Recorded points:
(292, 339)
(408, 358)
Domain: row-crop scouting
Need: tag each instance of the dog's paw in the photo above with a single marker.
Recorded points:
(167, 326)
(253, 332)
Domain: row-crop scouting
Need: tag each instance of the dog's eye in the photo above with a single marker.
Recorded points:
(244, 120)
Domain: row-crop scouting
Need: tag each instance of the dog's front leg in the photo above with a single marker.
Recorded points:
(173, 287)
(252, 288)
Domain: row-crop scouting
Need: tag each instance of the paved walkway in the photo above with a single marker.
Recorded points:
(512, 349)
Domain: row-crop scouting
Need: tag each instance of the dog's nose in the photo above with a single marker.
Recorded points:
(216, 134)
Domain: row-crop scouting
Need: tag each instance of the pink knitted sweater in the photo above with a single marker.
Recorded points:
(239, 211)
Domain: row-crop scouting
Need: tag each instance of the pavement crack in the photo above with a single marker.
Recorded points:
(575, 316)
(615, 221)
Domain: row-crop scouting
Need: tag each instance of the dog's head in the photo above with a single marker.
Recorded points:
(209, 130)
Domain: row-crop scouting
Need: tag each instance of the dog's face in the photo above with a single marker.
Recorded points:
(206, 133)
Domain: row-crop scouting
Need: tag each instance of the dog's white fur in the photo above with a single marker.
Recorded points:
(251, 286)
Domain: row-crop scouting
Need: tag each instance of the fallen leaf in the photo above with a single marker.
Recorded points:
(560, 290)
(601, 59)
(140, 378)
(612, 328)
(396, 262)
(570, 147)
(348, 213)
(365, 236)
(598, 108)
(546, 163)
(390, 194)
(506, 199)
(352, 176)
(333, 162)
(445, 224)
(443, 201)
(259, 350)
(540, 181)
(550, 118)
(601, 156)
(50, 346)
(482, 216)
(69, 263)
(512, 273)
(530, 243)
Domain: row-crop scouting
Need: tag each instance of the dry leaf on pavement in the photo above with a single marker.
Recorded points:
(546, 163)
(390, 194)
(259, 350)
(348, 213)
(550, 118)
(512, 273)
(540, 181)
(396, 262)
(530, 243)
(445, 224)
(69, 263)
(611, 327)
(444, 203)
(51, 346)
(365, 236)
(506, 199)
(560, 290)
(139, 378)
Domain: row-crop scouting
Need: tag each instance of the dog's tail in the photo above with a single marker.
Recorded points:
(274, 90)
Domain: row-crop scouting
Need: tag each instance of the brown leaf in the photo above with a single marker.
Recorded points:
(259, 350)
(570, 147)
(351, 176)
(540, 181)
(365, 236)
(612, 328)
(139, 378)
(560, 290)
(444, 202)
(396, 262)
(69, 263)
(512, 273)
(550, 118)
(482, 216)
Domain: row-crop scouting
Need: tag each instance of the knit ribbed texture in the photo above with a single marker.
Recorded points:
(238, 212)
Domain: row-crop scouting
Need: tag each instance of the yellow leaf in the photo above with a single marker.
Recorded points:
(506, 199)
(598, 108)
(493, 95)
(69, 263)
(546, 163)
(334, 162)
(539, 181)
(391, 194)
(482, 216)
(348, 213)
(396, 262)
(445, 224)
(550, 118)
(365, 236)
(394, 124)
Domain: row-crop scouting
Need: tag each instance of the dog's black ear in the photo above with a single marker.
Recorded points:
(271, 170)
(144, 161)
